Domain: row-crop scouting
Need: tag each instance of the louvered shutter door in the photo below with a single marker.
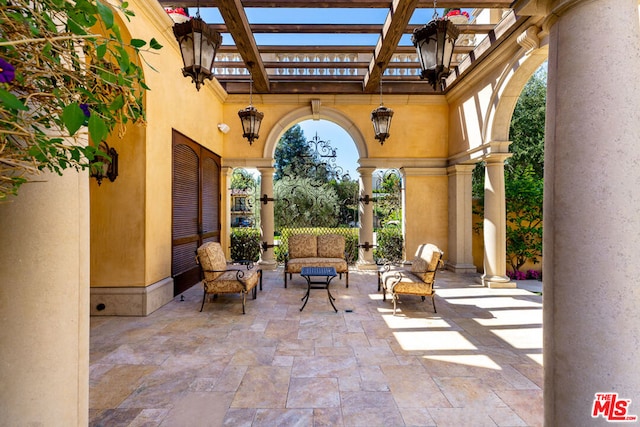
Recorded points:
(210, 198)
(185, 209)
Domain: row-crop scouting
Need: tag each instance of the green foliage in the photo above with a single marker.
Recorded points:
(243, 180)
(347, 194)
(389, 243)
(524, 195)
(388, 205)
(351, 236)
(245, 244)
(74, 74)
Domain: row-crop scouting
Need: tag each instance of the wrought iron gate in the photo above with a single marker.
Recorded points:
(317, 196)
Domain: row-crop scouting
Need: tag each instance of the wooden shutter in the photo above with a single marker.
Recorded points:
(196, 207)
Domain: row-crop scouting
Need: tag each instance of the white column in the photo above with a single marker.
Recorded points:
(267, 259)
(365, 255)
(44, 302)
(591, 250)
(495, 224)
(460, 256)
(225, 233)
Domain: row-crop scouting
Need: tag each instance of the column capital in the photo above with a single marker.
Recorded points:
(366, 171)
(461, 169)
(266, 169)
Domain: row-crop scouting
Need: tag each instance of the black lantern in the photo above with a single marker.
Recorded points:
(434, 43)
(198, 45)
(104, 166)
(381, 119)
(250, 117)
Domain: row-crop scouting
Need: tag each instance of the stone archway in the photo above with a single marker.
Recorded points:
(306, 113)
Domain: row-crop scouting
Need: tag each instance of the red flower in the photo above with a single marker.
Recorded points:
(177, 10)
(457, 12)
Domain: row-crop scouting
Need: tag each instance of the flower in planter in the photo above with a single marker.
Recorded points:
(455, 12)
(178, 14)
(7, 71)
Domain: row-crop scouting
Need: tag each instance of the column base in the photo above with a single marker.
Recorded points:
(461, 268)
(130, 301)
(268, 264)
(366, 265)
(497, 282)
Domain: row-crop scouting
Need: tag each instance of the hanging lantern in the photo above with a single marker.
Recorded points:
(434, 43)
(250, 117)
(198, 45)
(381, 117)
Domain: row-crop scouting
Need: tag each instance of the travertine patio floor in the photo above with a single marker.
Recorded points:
(477, 362)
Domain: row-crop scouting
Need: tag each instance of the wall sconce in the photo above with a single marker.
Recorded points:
(381, 117)
(198, 45)
(434, 43)
(250, 117)
(103, 166)
(224, 128)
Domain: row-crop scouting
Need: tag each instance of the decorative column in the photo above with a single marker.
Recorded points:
(44, 302)
(365, 207)
(460, 256)
(591, 267)
(267, 259)
(495, 224)
(225, 233)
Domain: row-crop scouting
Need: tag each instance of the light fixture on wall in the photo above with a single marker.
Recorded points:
(434, 43)
(103, 166)
(381, 117)
(198, 45)
(250, 117)
(224, 128)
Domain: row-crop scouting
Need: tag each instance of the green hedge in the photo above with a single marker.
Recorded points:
(245, 244)
(389, 243)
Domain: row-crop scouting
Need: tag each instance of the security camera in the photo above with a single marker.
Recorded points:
(224, 128)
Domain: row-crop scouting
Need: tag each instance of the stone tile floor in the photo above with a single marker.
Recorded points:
(477, 362)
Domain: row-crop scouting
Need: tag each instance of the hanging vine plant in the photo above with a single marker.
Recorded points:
(65, 72)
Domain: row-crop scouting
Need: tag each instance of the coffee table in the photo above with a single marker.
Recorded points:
(311, 273)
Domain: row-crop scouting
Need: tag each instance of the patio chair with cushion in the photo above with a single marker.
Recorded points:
(219, 278)
(418, 279)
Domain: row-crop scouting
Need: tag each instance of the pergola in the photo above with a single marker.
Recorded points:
(345, 68)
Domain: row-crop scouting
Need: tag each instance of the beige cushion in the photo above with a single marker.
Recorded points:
(211, 257)
(426, 261)
(331, 246)
(295, 265)
(227, 282)
(303, 246)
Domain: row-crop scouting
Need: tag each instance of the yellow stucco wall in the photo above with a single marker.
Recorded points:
(131, 218)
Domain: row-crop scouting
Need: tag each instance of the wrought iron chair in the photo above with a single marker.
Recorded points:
(219, 278)
(416, 280)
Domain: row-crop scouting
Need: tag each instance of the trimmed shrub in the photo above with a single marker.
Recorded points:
(245, 244)
(389, 243)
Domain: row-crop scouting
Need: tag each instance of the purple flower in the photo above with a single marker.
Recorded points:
(7, 71)
(85, 110)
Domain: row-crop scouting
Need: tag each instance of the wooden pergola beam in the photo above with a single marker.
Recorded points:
(238, 26)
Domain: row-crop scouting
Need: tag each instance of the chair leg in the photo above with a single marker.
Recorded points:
(433, 301)
(395, 298)
(347, 278)
(244, 295)
(204, 297)
(285, 279)
(255, 292)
